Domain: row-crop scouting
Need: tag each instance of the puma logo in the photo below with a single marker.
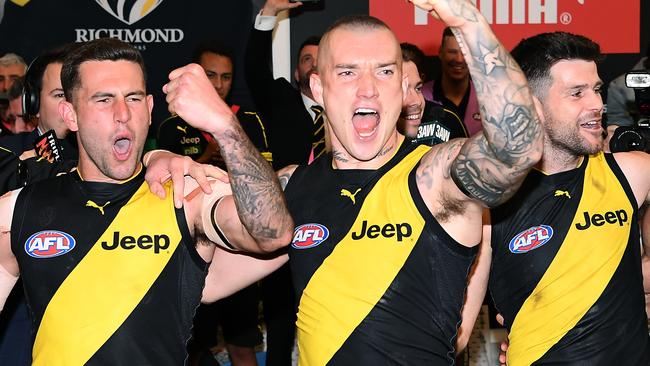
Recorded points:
(94, 205)
(184, 129)
(559, 193)
(346, 193)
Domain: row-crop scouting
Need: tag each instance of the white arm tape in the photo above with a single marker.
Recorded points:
(7, 282)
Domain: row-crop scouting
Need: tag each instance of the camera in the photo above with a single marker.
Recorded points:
(637, 137)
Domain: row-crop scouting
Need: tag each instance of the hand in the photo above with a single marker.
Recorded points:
(273, 7)
(449, 11)
(163, 165)
(192, 97)
(503, 349)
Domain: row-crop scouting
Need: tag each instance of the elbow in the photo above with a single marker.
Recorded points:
(281, 238)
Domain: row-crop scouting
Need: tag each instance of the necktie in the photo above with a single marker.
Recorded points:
(318, 139)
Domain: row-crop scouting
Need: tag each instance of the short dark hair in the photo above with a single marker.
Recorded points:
(102, 49)
(537, 54)
(310, 41)
(211, 46)
(16, 89)
(446, 33)
(411, 52)
(36, 70)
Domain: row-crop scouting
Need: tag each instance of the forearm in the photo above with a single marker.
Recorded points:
(491, 165)
(256, 191)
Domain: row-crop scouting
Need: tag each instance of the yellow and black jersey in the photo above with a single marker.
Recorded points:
(110, 272)
(566, 269)
(378, 280)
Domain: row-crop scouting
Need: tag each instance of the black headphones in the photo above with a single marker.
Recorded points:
(31, 90)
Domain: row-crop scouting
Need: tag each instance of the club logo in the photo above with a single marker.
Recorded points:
(309, 235)
(129, 11)
(530, 239)
(49, 243)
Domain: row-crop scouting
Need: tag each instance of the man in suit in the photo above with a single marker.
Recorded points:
(286, 109)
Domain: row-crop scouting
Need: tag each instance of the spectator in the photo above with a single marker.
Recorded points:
(621, 108)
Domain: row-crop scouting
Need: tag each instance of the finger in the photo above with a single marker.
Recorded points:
(174, 74)
(178, 181)
(500, 319)
(199, 175)
(504, 346)
(214, 172)
(157, 189)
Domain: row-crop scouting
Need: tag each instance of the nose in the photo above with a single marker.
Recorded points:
(595, 102)
(367, 87)
(6, 84)
(411, 98)
(121, 111)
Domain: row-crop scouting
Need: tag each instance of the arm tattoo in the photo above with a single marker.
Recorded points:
(257, 193)
(491, 166)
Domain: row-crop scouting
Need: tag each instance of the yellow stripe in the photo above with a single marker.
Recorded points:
(105, 287)
(579, 273)
(356, 275)
(20, 2)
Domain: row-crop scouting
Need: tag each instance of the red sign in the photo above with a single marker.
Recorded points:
(612, 24)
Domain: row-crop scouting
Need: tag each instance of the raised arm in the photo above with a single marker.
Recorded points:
(489, 167)
(257, 195)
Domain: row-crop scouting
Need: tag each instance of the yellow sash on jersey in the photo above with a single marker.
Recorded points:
(107, 285)
(580, 271)
(356, 275)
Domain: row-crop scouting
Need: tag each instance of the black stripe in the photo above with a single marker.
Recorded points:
(216, 227)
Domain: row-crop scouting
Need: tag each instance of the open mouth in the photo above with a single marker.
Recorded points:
(122, 148)
(412, 115)
(365, 122)
(591, 125)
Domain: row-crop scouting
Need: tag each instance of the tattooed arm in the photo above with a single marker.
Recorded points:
(488, 167)
(256, 194)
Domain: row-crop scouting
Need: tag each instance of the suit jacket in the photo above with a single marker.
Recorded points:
(290, 126)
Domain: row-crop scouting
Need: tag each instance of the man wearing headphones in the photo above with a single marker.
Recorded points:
(41, 97)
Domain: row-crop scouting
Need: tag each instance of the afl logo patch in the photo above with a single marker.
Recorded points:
(530, 239)
(49, 243)
(309, 235)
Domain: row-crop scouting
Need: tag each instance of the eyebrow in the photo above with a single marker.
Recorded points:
(356, 66)
(112, 95)
(56, 90)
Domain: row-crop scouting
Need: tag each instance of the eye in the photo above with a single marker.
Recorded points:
(59, 95)
(576, 94)
(346, 73)
(598, 89)
(418, 89)
(386, 72)
(134, 98)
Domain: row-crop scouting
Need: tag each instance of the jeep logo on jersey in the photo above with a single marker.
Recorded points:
(49, 243)
(530, 239)
(610, 217)
(309, 235)
(400, 231)
(129, 11)
(127, 242)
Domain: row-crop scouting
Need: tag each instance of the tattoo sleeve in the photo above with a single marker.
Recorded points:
(491, 166)
(258, 197)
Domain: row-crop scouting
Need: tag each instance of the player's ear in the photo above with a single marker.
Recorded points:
(67, 112)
